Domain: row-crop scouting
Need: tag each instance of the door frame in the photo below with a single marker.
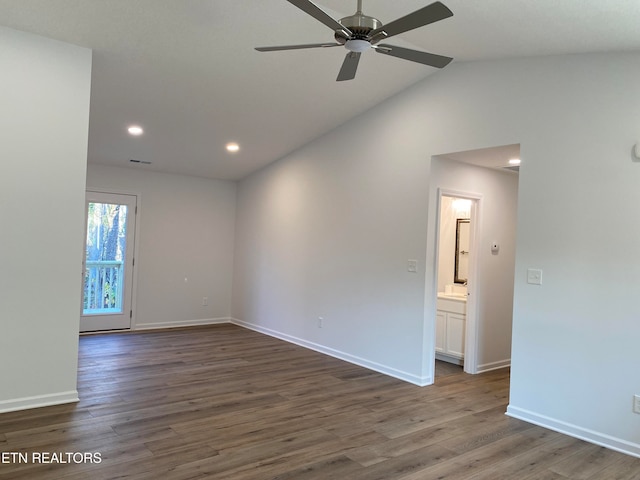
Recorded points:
(136, 246)
(471, 330)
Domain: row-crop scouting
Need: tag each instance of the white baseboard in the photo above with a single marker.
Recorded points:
(38, 401)
(449, 359)
(575, 431)
(181, 323)
(392, 372)
(487, 367)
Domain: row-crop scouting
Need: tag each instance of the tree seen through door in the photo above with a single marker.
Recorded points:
(105, 258)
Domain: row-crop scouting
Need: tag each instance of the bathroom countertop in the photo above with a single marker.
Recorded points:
(456, 297)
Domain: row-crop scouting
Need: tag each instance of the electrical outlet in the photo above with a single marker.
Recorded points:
(320, 320)
(636, 404)
(205, 301)
(412, 266)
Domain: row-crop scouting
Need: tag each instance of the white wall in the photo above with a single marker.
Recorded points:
(328, 230)
(44, 121)
(328, 233)
(187, 228)
(492, 289)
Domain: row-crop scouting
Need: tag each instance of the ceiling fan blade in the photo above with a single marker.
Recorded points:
(315, 11)
(297, 47)
(349, 67)
(431, 59)
(426, 15)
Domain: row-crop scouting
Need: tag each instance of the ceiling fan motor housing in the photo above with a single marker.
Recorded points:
(360, 25)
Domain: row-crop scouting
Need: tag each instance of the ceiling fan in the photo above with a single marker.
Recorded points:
(359, 32)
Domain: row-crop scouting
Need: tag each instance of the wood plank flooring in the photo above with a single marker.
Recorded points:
(222, 402)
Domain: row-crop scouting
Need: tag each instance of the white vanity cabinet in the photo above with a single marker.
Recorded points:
(450, 328)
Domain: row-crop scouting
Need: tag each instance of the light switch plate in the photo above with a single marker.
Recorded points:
(412, 266)
(534, 276)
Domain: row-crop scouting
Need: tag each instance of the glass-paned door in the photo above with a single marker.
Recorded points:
(108, 262)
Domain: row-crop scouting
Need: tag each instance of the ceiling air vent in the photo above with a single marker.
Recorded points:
(142, 162)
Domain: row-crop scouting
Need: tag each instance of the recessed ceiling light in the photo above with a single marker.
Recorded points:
(233, 147)
(135, 130)
(514, 161)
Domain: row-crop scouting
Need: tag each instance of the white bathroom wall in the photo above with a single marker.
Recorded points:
(492, 290)
(44, 122)
(327, 231)
(186, 228)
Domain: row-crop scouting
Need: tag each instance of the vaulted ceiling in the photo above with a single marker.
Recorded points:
(187, 71)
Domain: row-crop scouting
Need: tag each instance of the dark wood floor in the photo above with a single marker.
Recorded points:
(222, 402)
(444, 369)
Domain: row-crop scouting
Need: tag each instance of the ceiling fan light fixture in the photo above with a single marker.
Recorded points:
(357, 45)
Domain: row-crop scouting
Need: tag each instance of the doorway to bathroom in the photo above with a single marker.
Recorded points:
(456, 263)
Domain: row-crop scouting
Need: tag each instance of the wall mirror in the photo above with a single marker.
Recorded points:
(461, 268)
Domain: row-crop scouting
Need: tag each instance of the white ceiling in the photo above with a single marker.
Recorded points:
(492, 157)
(187, 72)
